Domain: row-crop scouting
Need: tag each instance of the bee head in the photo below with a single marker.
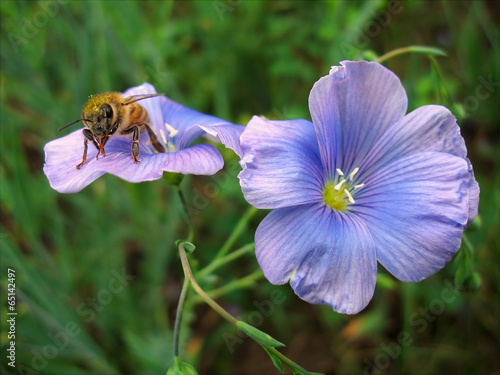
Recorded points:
(100, 121)
(99, 114)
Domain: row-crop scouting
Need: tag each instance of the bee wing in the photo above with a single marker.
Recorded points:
(135, 98)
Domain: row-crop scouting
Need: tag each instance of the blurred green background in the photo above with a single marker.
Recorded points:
(97, 273)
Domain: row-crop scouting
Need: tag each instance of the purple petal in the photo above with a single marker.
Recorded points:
(473, 195)
(170, 121)
(351, 108)
(281, 165)
(228, 135)
(416, 209)
(63, 154)
(428, 128)
(329, 257)
(188, 123)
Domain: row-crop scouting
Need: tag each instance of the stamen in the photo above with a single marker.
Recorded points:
(163, 137)
(339, 193)
(339, 185)
(349, 196)
(351, 176)
(171, 131)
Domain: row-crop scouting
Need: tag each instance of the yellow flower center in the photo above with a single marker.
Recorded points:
(338, 194)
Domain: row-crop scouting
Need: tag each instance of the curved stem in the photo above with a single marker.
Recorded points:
(189, 274)
(219, 262)
(410, 49)
(178, 316)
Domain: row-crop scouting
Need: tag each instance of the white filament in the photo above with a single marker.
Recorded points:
(171, 131)
(349, 196)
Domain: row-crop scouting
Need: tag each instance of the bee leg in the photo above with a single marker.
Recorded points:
(135, 141)
(84, 153)
(154, 140)
(88, 136)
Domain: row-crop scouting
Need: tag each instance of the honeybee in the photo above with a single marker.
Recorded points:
(109, 113)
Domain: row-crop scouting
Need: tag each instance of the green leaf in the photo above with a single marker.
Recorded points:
(298, 372)
(181, 368)
(475, 280)
(276, 361)
(187, 246)
(261, 337)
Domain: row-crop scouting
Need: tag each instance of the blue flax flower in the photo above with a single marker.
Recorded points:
(363, 182)
(175, 126)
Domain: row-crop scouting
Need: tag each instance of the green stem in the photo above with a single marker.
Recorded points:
(441, 83)
(219, 262)
(236, 233)
(188, 219)
(178, 316)
(411, 49)
(467, 242)
(238, 284)
(244, 282)
(189, 274)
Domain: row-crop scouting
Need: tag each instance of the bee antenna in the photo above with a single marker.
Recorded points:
(74, 122)
(136, 98)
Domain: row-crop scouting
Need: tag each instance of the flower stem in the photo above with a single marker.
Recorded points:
(219, 262)
(411, 49)
(186, 214)
(189, 275)
(244, 282)
(236, 233)
(185, 285)
(178, 316)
